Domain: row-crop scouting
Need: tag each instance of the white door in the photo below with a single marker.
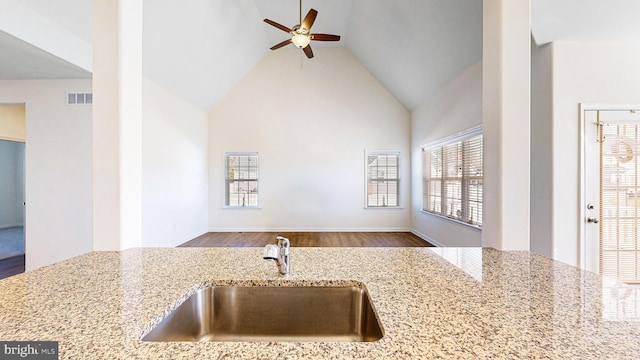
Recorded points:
(611, 192)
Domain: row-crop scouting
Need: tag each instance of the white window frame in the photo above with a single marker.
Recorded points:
(227, 179)
(441, 143)
(398, 180)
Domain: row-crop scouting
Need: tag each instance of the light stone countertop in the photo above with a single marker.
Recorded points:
(452, 303)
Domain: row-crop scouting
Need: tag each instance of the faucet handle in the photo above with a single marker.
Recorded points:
(271, 252)
(283, 242)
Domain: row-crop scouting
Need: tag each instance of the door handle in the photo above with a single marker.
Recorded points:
(592, 220)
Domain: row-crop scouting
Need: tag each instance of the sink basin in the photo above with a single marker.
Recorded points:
(272, 313)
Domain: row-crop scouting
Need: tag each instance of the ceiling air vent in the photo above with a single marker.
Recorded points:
(79, 98)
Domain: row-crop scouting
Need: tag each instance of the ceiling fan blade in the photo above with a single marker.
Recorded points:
(307, 23)
(284, 43)
(325, 37)
(279, 26)
(307, 50)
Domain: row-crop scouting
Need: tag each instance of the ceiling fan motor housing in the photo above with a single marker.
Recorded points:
(297, 29)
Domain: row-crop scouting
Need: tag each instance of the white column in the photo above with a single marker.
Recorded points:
(506, 123)
(117, 124)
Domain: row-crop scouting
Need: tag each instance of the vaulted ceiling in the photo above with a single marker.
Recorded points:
(585, 20)
(200, 49)
(412, 47)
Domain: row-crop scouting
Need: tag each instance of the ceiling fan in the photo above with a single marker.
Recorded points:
(301, 34)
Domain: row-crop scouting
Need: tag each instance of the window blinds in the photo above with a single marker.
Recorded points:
(241, 179)
(620, 202)
(452, 179)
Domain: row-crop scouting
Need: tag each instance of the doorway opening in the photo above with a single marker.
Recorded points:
(12, 189)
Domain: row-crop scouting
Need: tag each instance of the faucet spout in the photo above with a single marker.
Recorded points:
(279, 253)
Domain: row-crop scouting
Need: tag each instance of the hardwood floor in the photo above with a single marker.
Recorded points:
(15, 265)
(11, 266)
(309, 239)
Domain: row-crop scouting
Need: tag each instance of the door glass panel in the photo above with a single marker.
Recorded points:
(619, 201)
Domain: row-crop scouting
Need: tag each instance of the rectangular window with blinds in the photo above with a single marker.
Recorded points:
(383, 179)
(241, 179)
(452, 178)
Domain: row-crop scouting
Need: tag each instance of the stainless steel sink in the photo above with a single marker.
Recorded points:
(272, 313)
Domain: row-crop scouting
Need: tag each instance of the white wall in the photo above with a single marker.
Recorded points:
(541, 150)
(117, 125)
(174, 174)
(506, 114)
(7, 184)
(57, 167)
(20, 183)
(311, 121)
(582, 73)
(12, 122)
(457, 107)
(11, 187)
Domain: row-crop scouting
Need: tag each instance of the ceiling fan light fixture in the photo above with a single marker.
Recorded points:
(301, 40)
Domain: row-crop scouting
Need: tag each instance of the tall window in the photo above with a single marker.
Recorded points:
(452, 178)
(383, 178)
(241, 179)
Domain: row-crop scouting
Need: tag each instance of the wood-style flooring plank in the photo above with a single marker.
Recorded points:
(309, 239)
(16, 265)
(11, 266)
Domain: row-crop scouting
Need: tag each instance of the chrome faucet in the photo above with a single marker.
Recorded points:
(280, 253)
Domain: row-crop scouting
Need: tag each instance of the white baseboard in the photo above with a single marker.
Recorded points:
(426, 238)
(10, 226)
